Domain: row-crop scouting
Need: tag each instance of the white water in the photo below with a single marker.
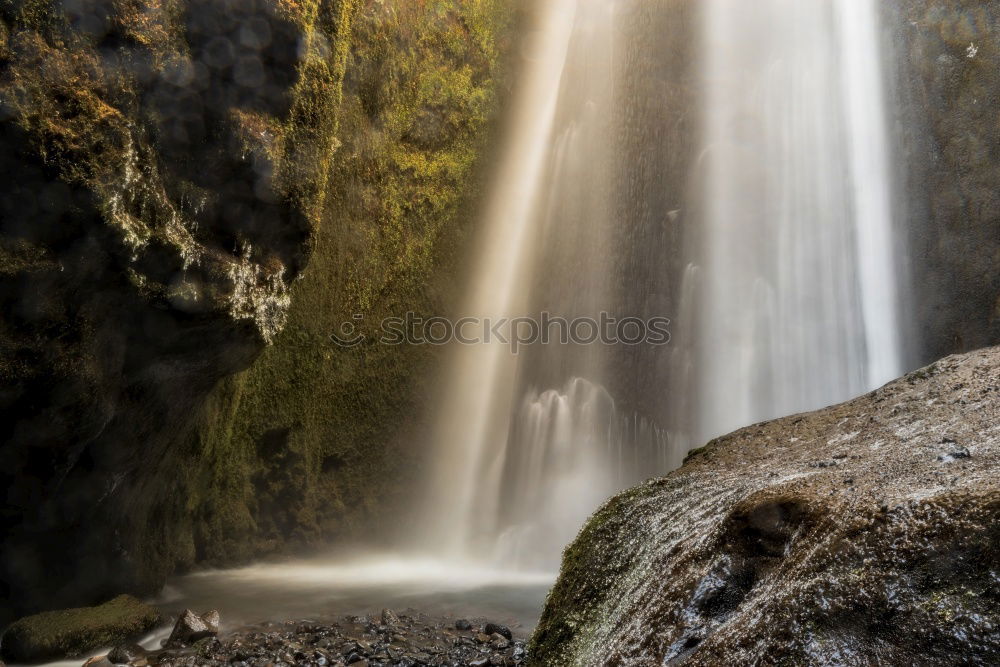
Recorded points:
(788, 302)
(568, 451)
(791, 298)
(528, 446)
(477, 395)
(868, 131)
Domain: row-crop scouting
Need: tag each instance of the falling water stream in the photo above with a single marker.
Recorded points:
(787, 302)
(790, 291)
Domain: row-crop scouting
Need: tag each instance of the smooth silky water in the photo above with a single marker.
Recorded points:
(790, 293)
(788, 301)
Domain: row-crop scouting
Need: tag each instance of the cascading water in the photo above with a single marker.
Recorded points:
(529, 445)
(790, 295)
(788, 300)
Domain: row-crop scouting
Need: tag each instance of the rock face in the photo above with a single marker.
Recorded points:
(170, 161)
(946, 89)
(75, 632)
(178, 165)
(864, 533)
(315, 442)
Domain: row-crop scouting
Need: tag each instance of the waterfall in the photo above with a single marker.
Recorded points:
(528, 445)
(478, 393)
(790, 302)
(788, 298)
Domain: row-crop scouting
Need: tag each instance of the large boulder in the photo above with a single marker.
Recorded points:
(864, 533)
(72, 633)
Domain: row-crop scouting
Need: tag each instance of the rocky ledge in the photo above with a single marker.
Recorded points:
(865, 533)
(407, 639)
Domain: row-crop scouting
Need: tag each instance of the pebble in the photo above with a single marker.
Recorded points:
(386, 639)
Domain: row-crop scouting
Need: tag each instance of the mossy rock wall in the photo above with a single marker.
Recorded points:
(205, 191)
(317, 441)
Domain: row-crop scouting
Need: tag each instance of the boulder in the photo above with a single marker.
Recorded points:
(127, 654)
(71, 633)
(190, 627)
(850, 535)
(496, 628)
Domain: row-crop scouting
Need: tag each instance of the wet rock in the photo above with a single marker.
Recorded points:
(125, 654)
(72, 633)
(98, 661)
(190, 627)
(463, 624)
(496, 628)
(955, 455)
(389, 617)
(772, 560)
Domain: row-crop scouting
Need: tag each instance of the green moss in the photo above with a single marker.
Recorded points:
(308, 445)
(72, 633)
(370, 155)
(587, 579)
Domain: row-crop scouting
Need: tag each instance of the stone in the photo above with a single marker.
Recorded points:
(190, 627)
(496, 628)
(771, 557)
(126, 653)
(389, 617)
(72, 633)
(98, 661)
(955, 455)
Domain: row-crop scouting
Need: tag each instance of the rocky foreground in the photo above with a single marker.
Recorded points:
(388, 639)
(866, 533)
